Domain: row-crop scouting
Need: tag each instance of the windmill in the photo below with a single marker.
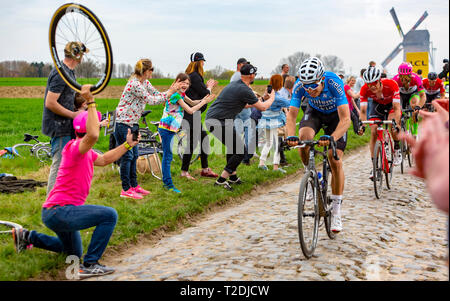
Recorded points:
(413, 41)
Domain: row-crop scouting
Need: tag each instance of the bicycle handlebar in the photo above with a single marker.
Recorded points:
(312, 143)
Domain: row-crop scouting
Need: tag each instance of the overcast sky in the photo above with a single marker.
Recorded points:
(262, 31)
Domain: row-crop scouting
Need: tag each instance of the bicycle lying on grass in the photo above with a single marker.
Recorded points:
(41, 150)
(310, 211)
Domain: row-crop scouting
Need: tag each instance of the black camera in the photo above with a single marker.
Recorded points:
(269, 89)
(135, 132)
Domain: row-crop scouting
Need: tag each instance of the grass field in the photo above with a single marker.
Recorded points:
(161, 209)
(42, 81)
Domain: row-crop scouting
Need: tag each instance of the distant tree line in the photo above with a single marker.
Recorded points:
(87, 69)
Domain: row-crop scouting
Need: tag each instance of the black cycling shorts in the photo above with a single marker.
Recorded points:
(379, 111)
(329, 122)
(431, 97)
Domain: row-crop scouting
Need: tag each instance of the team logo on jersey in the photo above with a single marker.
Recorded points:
(336, 86)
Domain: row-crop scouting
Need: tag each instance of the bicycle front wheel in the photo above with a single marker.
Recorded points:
(378, 169)
(76, 32)
(44, 153)
(390, 161)
(308, 214)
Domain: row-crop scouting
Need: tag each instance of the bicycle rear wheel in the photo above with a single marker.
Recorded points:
(23, 150)
(308, 215)
(378, 169)
(76, 32)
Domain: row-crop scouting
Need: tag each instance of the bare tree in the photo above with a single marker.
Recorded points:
(332, 63)
(87, 69)
(294, 61)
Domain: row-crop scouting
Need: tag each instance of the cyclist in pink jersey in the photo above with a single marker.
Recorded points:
(412, 92)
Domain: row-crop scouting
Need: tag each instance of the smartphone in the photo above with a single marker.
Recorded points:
(135, 132)
(269, 89)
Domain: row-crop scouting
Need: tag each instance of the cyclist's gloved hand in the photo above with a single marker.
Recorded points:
(326, 140)
(292, 140)
(417, 108)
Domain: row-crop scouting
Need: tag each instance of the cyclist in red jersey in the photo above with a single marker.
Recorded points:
(385, 97)
(434, 87)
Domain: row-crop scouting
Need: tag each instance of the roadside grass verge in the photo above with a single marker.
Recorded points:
(161, 209)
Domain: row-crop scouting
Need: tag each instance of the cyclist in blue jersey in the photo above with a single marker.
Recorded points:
(328, 109)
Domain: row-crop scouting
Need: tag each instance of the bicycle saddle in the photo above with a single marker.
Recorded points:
(28, 137)
(145, 113)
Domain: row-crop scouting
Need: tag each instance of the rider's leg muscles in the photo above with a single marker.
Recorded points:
(305, 133)
(373, 138)
(337, 171)
(414, 101)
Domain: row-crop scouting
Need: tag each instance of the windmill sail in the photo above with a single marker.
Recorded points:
(392, 55)
(397, 22)
(425, 14)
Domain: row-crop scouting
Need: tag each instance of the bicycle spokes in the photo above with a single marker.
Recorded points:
(75, 32)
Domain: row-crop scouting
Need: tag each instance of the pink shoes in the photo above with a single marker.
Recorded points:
(131, 194)
(134, 193)
(140, 190)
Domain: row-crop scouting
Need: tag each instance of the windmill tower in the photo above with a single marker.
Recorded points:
(413, 41)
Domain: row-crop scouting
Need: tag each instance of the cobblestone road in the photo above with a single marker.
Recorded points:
(399, 237)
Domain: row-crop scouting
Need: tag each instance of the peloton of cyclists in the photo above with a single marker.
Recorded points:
(327, 108)
(385, 97)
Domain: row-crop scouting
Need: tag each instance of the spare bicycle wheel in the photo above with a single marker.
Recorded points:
(75, 32)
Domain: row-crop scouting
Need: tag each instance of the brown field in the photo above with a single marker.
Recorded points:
(109, 92)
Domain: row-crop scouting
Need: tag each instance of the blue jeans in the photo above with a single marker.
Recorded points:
(246, 127)
(167, 143)
(67, 221)
(128, 174)
(57, 144)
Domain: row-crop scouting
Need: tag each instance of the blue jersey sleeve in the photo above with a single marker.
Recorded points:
(336, 87)
(297, 94)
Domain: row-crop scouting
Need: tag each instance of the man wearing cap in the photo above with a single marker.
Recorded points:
(59, 108)
(220, 120)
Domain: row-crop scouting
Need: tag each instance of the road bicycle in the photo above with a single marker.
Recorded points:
(315, 185)
(75, 30)
(41, 150)
(383, 155)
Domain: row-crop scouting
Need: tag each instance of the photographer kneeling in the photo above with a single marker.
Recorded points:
(64, 211)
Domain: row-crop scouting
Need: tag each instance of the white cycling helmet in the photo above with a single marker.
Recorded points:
(311, 70)
(372, 74)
